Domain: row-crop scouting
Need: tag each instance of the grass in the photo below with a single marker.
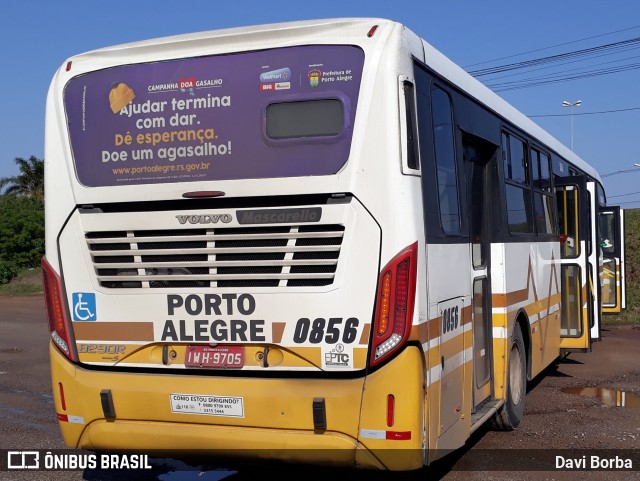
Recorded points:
(28, 281)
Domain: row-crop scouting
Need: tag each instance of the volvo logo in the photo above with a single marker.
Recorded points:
(204, 218)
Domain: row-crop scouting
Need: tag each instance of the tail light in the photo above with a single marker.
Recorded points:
(55, 306)
(394, 309)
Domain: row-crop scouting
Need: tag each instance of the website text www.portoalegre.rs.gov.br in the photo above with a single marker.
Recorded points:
(165, 169)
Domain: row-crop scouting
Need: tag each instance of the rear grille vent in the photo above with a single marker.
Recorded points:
(221, 257)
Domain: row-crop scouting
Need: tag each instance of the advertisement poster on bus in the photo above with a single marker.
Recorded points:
(205, 118)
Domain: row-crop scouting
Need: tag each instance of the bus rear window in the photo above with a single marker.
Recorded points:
(312, 118)
(217, 117)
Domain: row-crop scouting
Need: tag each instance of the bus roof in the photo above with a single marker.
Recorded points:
(456, 75)
(339, 30)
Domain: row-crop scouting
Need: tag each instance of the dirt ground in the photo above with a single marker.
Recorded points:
(570, 410)
(557, 419)
(560, 418)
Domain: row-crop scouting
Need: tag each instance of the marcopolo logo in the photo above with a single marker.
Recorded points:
(279, 216)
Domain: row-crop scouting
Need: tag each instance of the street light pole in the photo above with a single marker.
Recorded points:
(571, 105)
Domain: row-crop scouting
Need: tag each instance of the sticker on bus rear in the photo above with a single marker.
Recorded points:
(209, 405)
(84, 306)
(337, 356)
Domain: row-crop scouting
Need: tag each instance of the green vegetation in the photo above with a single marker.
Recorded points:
(632, 271)
(22, 219)
(21, 235)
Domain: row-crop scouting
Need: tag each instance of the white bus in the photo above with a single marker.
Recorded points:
(320, 235)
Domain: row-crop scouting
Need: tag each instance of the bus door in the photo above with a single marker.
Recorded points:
(612, 280)
(479, 157)
(594, 264)
(576, 204)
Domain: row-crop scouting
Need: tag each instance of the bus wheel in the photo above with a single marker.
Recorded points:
(510, 414)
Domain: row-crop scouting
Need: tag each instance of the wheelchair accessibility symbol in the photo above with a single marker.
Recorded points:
(84, 306)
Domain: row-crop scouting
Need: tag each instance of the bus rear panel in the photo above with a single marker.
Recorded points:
(216, 277)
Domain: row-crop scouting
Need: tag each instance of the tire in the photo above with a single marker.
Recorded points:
(512, 411)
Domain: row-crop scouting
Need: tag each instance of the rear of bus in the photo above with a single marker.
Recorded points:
(231, 251)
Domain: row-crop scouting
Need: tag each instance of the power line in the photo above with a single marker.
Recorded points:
(536, 81)
(585, 113)
(550, 47)
(559, 61)
(623, 195)
(620, 172)
(555, 58)
(567, 63)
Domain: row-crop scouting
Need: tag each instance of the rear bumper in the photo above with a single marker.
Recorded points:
(187, 439)
(277, 421)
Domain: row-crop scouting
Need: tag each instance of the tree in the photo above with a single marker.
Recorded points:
(21, 234)
(30, 181)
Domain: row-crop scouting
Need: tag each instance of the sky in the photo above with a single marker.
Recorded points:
(38, 36)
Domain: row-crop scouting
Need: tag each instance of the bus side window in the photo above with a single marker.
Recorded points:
(411, 121)
(543, 201)
(447, 178)
(517, 185)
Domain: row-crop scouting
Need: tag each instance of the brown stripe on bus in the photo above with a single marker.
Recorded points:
(364, 338)
(277, 331)
(113, 331)
(431, 329)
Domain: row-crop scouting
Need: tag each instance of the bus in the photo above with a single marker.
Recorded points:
(317, 242)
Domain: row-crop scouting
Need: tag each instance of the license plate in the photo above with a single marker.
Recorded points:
(225, 357)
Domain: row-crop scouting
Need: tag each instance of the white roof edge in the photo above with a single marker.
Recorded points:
(476, 89)
(252, 30)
